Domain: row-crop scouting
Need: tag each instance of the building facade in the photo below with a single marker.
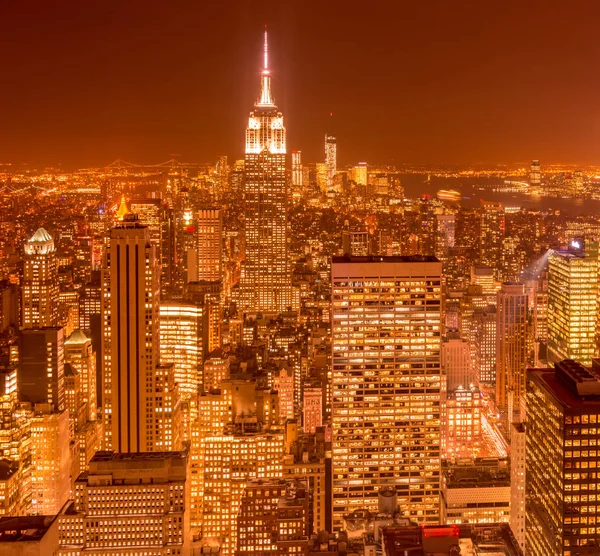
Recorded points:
(572, 304)
(563, 408)
(131, 503)
(386, 320)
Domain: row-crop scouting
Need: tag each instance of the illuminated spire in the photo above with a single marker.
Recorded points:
(123, 210)
(265, 78)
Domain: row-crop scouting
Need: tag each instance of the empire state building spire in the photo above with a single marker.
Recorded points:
(266, 99)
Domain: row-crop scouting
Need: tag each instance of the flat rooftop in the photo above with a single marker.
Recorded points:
(495, 539)
(107, 455)
(383, 259)
(24, 528)
(587, 400)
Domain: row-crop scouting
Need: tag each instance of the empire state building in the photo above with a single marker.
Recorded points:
(265, 284)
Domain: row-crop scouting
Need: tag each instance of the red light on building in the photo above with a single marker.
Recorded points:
(434, 531)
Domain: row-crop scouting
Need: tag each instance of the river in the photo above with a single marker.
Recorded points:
(474, 189)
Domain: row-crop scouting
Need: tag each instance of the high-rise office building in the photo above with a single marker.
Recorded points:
(360, 173)
(491, 235)
(563, 408)
(511, 348)
(462, 422)
(446, 234)
(181, 343)
(222, 175)
(535, 173)
(386, 328)
(484, 344)
(518, 482)
(130, 338)
(209, 250)
(90, 305)
(80, 355)
(572, 303)
(40, 282)
(158, 217)
(427, 226)
(330, 158)
(483, 276)
(297, 175)
(185, 242)
(229, 461)
(133, 503)
(265, 283)
(49, 460)
(42, 367)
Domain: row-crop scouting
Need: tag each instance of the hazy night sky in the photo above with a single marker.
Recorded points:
(84, 83)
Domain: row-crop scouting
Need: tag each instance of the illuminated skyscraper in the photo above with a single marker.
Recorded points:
(229, 461)
(265, 283)
(563, 408)
(50, 461)
(535, 173)
(572, 303)
(209, 250)
(222, 175)
(484, 345)
(40, 282)
(130, 338)
(158, 217)
(330, 158)
(181, 343)
(446, 232)
(492, 234)
(79, 354)
(297, 181)
(80, 394)
(90, 305)
(511, 348)
(360, 173)
(386, 321)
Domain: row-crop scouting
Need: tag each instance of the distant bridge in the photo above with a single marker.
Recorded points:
(171, 164)
(16, 188)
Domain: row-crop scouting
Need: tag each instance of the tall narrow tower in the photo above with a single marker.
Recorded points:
(330, 158)
(209, 239)
(491, 235)
(130, 337)
(511, 349)
(265, 284)
(40, 282)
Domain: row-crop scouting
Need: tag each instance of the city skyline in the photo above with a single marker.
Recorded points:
(292, 355)
(406, 84)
